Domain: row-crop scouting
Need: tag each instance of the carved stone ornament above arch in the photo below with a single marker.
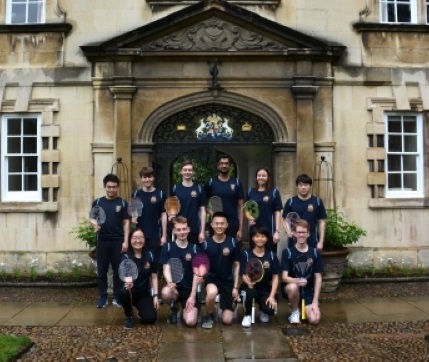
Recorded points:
(213, 26)
(149, 126)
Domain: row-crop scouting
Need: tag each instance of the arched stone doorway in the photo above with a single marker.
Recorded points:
(202, 132)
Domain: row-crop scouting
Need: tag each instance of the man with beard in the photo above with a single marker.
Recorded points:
(230, 191)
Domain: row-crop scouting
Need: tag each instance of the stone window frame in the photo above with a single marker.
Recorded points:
(412, 7)
(376, 153)
(27, 3)
(49, 156)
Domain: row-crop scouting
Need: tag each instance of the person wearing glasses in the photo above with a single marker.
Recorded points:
(112, 238)
(302, 268)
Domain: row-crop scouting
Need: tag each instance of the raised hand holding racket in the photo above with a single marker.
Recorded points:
(135, 208)
(128, 273)
(200, 267)
(251, 210)
(97, 217)
(291, 219)
(255, 272)
(175, 269)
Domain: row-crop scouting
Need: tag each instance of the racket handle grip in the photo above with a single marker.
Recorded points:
(303, 312)
(253, 310)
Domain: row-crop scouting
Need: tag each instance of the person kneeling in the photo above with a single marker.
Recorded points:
(260, 272)
(137, 293)
(302, 274)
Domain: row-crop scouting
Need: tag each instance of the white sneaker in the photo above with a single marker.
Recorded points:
(247, 321)
(294, 317)
(264, 318)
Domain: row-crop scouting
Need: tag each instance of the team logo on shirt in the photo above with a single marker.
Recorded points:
(118, 208)
(266, 264)
(232, 187)
(153, 200)
(147, 265)
(310, 208)
(266, 198)
(226, 251)
(193, 193)
(188, 257)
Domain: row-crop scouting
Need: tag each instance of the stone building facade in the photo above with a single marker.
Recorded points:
(282, 84)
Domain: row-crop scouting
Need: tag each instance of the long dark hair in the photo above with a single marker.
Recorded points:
(130, 251)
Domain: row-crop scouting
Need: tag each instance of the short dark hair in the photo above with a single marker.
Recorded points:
(260, 230)
(304, 179)
(147, 171)
(219, 214)
(224, 155)
(110, 177)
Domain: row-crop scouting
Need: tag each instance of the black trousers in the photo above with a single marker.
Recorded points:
(142, 300)
(108, 253)
(260, 296)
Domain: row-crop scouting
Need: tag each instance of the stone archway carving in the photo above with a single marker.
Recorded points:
(147, 130)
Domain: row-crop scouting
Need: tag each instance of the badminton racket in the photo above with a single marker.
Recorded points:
(200, 267)
(135, 207)
(172, 208)
(255, 272)
(303, 267)
(251, 210)
(176, 270)
(128, 272)
(291, 219)
(215, 204)
(98, 215)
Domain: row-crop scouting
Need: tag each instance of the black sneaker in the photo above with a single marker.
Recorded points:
(102, 302)
(172, 316)
(129, 323)
(207, 322)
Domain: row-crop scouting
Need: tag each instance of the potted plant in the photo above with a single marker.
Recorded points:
(338, 235)
(86, 233)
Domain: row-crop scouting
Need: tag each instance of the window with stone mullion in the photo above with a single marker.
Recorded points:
(398, 11)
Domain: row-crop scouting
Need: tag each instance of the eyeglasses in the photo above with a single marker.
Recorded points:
(301, 232)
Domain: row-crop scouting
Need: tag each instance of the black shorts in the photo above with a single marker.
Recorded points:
(184, 296)
(308, 293)
(225, 294)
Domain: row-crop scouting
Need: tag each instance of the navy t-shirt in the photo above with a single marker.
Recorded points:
(312, 260)
(191, 199)
(116, 212)
(311, 210)
(146, 267)
(185, 255)
(270, 264)
(222, 257)
(150, 220)
(269, 202)
(230, 192)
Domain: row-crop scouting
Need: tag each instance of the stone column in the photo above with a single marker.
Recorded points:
(304, 92)
(123, 95)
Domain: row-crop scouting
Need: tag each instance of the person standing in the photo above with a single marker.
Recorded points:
(112, 238)
(264, 291)
(141, 293)
(224, 254)
(153, 220)
(180, 292)
(193, 203)
(270, 206)
(230, 191)
(308, 207)
(294, 284)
